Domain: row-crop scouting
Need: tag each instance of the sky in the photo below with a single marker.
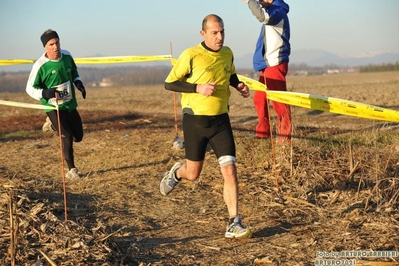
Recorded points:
(139, 27)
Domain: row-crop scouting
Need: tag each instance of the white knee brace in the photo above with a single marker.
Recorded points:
(226, 160)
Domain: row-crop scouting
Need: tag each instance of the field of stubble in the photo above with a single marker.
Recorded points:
(334, 189)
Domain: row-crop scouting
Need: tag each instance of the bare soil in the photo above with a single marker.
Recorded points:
(335, 189)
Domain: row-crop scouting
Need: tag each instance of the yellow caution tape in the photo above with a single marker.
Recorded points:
(7, 62)
(252, 84)
(121, 59)
(97, 60)
(27, 105)
(312, 101)
(87, 60)
(334, 105)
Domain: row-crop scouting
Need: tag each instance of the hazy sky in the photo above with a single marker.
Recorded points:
(141, 27)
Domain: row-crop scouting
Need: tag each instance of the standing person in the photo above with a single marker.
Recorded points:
(203, 74)
(271, 58)
(55, 73)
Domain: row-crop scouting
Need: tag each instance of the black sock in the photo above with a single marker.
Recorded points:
(176, 178)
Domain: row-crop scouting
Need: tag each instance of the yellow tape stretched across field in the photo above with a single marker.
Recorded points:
(9, 62)
(27, 105)
(334, 105)
(97, 60)
(317, 102)
(252, 84)
(324, 103)
(87, 60)
(122, 59)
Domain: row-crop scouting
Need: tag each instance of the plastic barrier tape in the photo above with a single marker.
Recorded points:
(252, 84)
(312, 101)
(8, 62)
(121, 59)
(334, 105)
(97, 60)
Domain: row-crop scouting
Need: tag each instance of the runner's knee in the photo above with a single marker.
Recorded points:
(226, 160)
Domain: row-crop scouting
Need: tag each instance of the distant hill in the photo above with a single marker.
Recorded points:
(319, 58)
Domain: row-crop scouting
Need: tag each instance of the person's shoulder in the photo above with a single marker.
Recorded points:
(227, 49)
(41, 61)
(192, 50)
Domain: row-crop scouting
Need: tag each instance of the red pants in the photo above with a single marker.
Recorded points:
(275, 80)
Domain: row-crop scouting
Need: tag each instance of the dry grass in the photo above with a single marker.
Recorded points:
(338, 183)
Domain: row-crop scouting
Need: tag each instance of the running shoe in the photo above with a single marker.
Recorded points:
(47, 126)
(73, 174)
(236, 230)
(169, 181)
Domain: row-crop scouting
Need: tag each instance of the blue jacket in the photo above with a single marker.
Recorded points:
(273, 45)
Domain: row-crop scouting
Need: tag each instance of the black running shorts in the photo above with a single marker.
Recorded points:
(200, 129)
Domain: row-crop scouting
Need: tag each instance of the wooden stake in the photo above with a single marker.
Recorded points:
(13, 234)
(174, 96)
(62, 158)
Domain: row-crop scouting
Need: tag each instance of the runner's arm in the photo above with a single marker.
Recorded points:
(180, 86)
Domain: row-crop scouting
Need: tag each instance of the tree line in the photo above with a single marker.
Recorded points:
(380, 68)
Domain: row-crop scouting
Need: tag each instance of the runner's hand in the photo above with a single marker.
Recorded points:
(243, 89)
(79, 86)
(49, 93)
(206, 89)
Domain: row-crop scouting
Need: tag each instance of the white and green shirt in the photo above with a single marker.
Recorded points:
(60, 73)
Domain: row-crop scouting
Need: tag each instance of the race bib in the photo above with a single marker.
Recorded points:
(64, 94)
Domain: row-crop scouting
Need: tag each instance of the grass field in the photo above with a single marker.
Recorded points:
(334, 189)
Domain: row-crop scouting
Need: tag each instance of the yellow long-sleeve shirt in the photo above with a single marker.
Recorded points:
(197, 65)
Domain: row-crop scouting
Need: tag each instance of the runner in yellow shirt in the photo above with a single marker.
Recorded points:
(203, 74)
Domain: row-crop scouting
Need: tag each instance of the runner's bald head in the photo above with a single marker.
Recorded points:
(211, 17)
